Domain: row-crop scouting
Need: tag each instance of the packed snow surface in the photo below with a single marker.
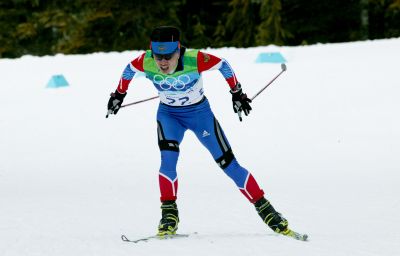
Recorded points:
(323, 141)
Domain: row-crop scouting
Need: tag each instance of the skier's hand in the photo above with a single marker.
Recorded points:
(115, 102)
(240, 101)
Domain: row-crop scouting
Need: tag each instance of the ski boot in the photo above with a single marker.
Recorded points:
(169, 219)
(272, 218)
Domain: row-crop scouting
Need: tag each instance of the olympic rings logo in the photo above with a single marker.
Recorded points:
(169, 82)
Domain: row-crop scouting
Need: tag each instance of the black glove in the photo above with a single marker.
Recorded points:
(115, 102)
(240, 101)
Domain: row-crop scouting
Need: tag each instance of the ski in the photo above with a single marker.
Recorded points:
(289, 233)
(296, 235)
(154, 237)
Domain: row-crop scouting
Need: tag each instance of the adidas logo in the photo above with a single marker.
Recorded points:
(205, 134)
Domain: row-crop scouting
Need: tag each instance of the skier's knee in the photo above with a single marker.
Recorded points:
(226, 159)
(163, 143)
(171, 145)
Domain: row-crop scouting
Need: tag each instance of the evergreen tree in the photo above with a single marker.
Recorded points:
(393, 19)
(12, 13)
(315, 21)
(41, 27)
(241, 22)
(384, 18)
(270, 30)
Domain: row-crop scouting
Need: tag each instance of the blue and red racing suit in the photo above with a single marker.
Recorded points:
(183, 106)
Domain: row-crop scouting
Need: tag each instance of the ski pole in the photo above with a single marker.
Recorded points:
(283, 66)
(111, 111)
(139, 101)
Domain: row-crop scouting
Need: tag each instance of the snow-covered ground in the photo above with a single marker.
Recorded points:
(323, 141)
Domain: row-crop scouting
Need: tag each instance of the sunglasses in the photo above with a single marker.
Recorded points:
(163, 56)
(168, 56)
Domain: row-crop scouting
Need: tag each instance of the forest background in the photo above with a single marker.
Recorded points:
(48, 27)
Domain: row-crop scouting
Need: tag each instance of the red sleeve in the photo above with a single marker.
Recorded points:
(138, 62)
(206, 61)
(134, 66)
